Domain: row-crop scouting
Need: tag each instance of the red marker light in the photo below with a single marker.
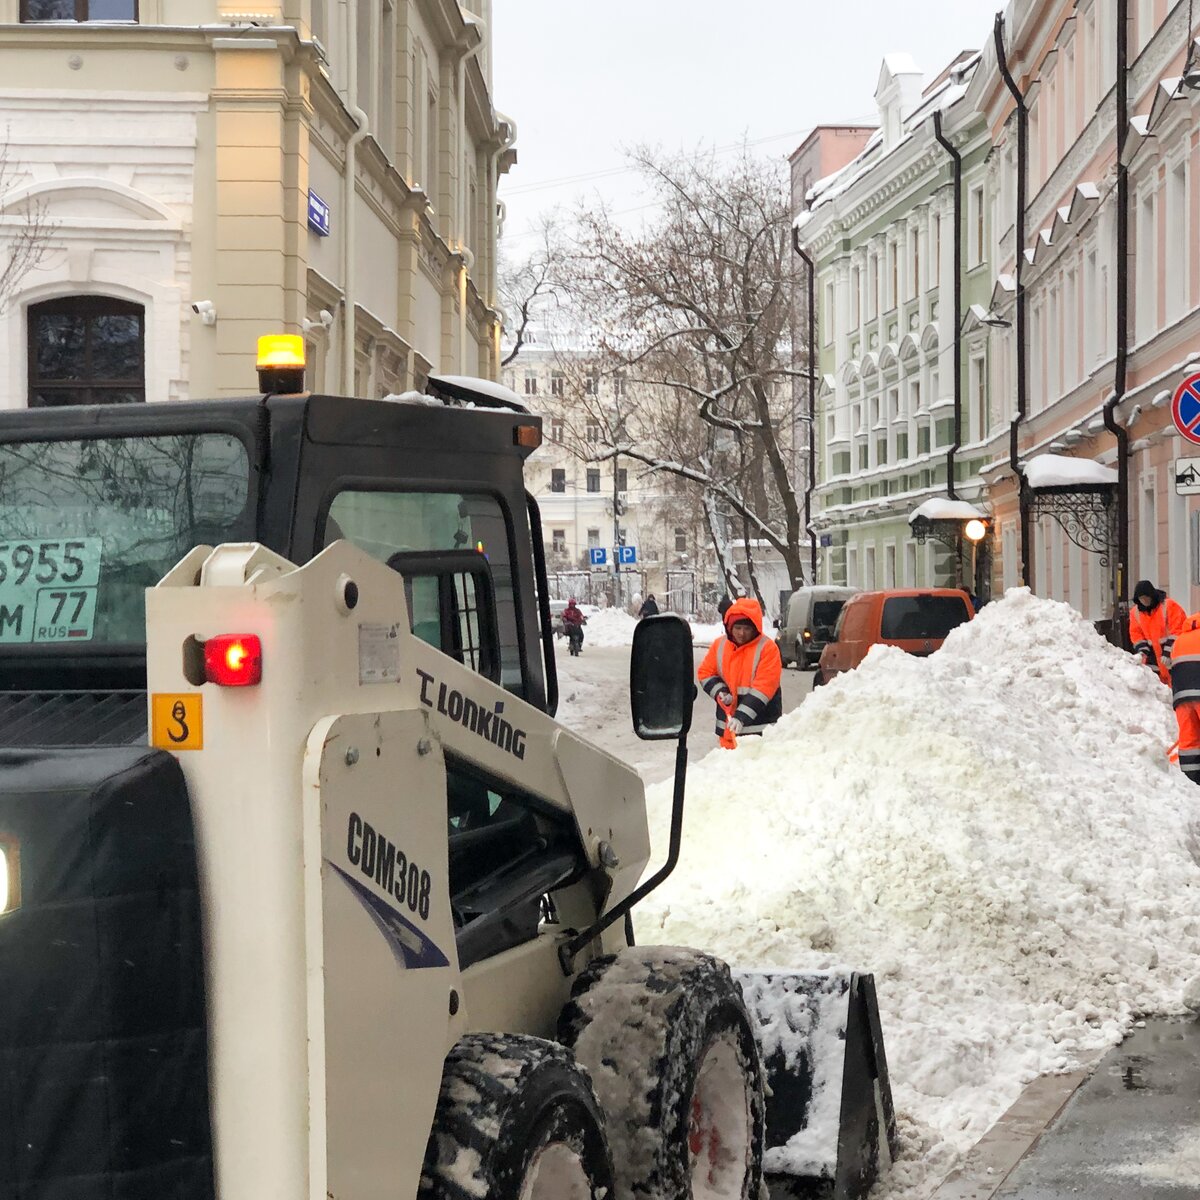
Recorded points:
(233, 660)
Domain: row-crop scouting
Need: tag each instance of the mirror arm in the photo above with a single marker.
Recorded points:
(568, 950)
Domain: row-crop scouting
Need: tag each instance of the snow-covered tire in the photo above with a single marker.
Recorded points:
(666, 1038)
(516, 1120)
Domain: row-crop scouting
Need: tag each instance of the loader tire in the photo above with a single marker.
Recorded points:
(516, 1119)
(666, 1038)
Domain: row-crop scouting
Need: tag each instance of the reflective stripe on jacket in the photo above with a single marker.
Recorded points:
(1153, 634)
(1185, 664)
(751, 672)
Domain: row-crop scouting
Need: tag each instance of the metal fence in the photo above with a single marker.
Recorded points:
(597, 587)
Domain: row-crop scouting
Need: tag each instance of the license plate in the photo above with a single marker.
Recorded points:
(48, 589)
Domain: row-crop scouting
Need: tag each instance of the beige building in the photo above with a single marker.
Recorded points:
(577, 487)
(209, 175)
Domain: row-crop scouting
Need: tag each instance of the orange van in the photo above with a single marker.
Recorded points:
(914, 619)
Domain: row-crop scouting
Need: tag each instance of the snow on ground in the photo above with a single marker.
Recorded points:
(705, 635)
(609, 627)
(994, 831)
(594, 702)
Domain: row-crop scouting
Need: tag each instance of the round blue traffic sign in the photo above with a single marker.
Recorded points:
(1185, 409)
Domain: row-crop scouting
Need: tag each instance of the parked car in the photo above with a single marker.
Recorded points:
(557, 607)
(808, 623)
(916, 620)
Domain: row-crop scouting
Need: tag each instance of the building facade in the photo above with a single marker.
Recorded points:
(1080, 295)
(882, 232)
(590, 501)
(206, 176)
(1112, 317)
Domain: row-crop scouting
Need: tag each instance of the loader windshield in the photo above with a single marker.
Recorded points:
(87, 525)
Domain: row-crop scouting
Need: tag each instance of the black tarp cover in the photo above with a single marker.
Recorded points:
(103, 1045)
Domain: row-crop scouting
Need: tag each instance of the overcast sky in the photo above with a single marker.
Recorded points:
(585, 78)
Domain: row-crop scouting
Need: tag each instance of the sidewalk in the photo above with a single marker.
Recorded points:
(1127, 1130)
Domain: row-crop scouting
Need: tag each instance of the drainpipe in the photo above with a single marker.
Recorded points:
(812, 402)
(462, 219)
(958, 317)
(1014, 460)
(1122, 331)
(496, 210)
(474, 23)
(361, 123)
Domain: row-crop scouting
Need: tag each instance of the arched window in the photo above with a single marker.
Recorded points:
(86, 350)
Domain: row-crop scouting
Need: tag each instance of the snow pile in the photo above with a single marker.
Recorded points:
(705, 635)
(1061, 470)
(609, 627)
(994, 831)
(939, 509)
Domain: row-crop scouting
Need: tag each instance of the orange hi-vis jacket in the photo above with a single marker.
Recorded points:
(751, 672)
(1185, 694)
(1153, 634)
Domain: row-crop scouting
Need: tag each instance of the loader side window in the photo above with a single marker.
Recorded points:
(395, 525)
(452, 606)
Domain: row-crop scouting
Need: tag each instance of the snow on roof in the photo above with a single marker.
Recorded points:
(948, 92)
(899, 62)
(485, 387)
(964, 816)
(1061, 470)
(941, 509)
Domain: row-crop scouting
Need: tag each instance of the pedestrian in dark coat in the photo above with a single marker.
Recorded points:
(649, 607)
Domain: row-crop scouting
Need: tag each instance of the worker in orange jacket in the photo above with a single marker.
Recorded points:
(1185, 694)
(1155, 620)
(743, 666)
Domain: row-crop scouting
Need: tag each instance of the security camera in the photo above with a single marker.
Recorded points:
(324, 321)
(206, 310)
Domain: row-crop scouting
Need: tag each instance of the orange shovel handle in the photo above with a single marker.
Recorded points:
(728, 738)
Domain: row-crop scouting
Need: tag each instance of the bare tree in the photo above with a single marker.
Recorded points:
(530, 287)
(697, 303)
(23, 243)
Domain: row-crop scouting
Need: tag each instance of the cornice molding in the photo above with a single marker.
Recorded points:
(861, 201)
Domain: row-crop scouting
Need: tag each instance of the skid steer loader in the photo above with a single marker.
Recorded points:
(304, 893)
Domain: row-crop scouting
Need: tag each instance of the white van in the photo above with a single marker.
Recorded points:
(807, 626)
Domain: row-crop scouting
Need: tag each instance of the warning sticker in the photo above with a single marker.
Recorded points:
(177, 721)
(378, 653)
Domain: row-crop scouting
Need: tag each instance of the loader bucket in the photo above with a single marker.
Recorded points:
(831, 1128)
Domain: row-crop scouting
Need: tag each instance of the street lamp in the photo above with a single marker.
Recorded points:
(975, 530)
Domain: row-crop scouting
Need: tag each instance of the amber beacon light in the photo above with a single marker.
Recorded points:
(281, 363)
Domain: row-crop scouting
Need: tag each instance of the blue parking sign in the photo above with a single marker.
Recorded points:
(627, 555)
(597, 556)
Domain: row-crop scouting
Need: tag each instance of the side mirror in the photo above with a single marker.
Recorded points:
(661, 687)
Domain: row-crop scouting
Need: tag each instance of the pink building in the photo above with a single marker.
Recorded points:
(1104, 348)
(826, 150)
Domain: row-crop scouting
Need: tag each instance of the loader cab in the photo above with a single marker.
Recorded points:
(97, 503)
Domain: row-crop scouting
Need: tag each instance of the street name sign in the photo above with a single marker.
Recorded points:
(1185, 409)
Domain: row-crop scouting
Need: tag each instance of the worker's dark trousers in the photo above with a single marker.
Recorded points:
(1188, 716)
